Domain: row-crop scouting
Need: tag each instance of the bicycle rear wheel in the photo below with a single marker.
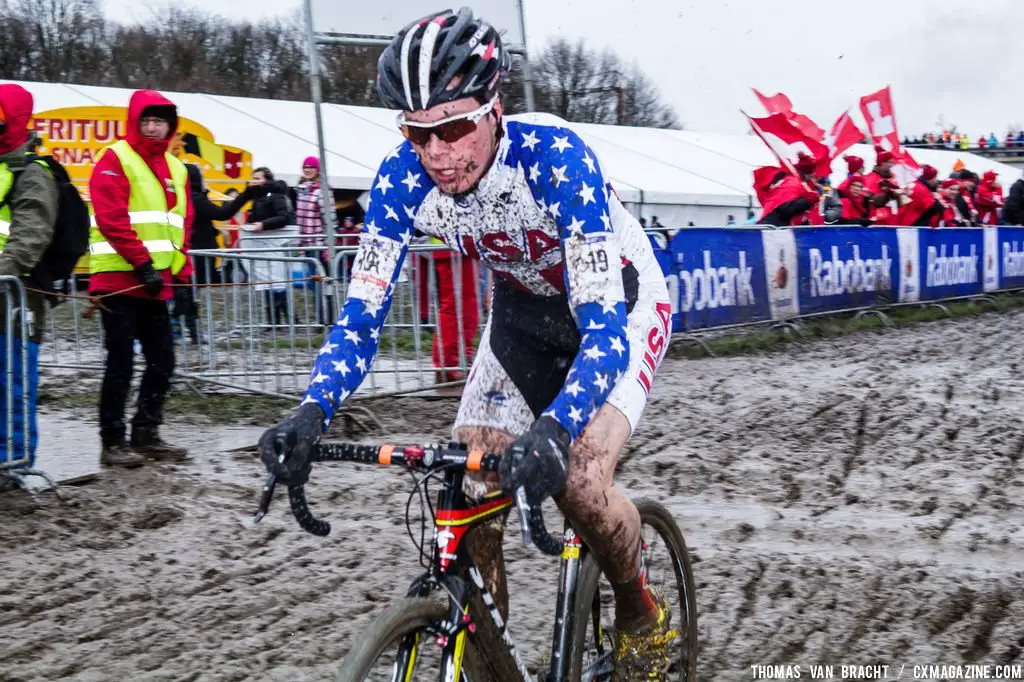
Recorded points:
(670, 571)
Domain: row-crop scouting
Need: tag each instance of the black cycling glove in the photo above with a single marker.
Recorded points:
(152, 281)
(538, 461)
(298, 434)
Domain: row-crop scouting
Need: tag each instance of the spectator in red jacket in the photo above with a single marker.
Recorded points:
(965, 202)
(854, 166)
(855, 207)
(788, 198)
(881, 188)
(136, 288)
(950, 191)
(923, 208)
(989, 199)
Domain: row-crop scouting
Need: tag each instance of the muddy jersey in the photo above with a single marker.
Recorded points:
(543, 218)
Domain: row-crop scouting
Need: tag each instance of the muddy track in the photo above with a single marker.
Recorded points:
(849, 501)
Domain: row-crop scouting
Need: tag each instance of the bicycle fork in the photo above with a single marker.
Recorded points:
(458, 625)
(568, 577)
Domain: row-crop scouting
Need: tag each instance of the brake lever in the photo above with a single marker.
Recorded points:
(266, 497)
(524, 515)
(268, 487)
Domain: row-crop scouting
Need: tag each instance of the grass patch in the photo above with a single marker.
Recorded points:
(760, 339)
(257, 410)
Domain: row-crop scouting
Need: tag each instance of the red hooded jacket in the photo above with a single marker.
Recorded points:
(923, 209)
(989, 200)
(16, 106)
(110, 191)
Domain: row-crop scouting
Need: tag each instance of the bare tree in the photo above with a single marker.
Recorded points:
(580, 84)
(15, 44)
(65, 37)
(350, 74)
(192, 50)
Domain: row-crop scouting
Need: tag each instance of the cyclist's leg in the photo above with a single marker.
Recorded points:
(605, 517)
(601, 513)
(492, 411)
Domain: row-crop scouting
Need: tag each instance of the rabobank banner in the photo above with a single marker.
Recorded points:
(846, 267)
(1010, 248)
(718, 278)
(952, 262)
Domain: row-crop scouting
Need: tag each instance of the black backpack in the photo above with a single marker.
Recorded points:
(70, 236)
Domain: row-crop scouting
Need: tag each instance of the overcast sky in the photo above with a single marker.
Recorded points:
(961, 60)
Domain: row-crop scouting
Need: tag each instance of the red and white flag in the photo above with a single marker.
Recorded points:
(776, 104)
(781, 104)
(881, 119)
(786, 141)
(880, 116)
(843, 135)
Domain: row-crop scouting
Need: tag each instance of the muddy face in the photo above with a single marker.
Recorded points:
(456, 166)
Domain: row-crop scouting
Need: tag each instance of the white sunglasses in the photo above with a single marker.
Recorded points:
(447, 129)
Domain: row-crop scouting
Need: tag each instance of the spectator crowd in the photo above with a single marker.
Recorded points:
(874, 197)
(951, 139)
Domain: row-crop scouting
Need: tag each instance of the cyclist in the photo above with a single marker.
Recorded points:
(580, 309)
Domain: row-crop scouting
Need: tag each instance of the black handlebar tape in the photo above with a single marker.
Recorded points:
(309, 523)
(545, 542)
(346, 452)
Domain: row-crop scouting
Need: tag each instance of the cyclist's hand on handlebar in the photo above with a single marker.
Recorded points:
(294, 439)
(538, 461)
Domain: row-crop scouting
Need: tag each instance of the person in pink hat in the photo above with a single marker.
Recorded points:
(309, 204)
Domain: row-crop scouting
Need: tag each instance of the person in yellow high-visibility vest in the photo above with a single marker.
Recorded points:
(143, 221)
(29, 202)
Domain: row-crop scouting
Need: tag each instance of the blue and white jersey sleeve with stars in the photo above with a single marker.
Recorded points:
(566, 180)
(347, 354)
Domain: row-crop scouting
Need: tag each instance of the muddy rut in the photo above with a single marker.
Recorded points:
(853, 501)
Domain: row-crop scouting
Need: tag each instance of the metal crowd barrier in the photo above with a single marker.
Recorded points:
(266, 311)
(262, 335)
(15, 462)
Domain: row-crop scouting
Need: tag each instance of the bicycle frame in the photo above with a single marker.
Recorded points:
(455, 516)
(450, 563)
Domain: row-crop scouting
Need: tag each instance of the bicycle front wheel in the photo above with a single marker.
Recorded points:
(670, 570)
(400, 646)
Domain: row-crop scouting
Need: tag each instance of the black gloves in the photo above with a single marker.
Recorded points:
(152, 281)
(538, 460)
(295, 437)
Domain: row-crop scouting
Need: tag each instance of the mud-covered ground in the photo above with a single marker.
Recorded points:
(855, 501)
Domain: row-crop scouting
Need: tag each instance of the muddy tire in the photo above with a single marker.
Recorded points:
(684, 618)
(403, 616)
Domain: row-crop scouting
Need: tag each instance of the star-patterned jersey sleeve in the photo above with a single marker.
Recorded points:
(566, 179)
(349, 350)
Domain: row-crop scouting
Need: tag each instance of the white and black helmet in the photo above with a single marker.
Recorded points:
(415, 70)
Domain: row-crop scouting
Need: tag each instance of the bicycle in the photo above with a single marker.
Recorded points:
(472, 641)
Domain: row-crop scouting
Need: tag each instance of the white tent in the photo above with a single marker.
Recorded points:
(678, 175)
